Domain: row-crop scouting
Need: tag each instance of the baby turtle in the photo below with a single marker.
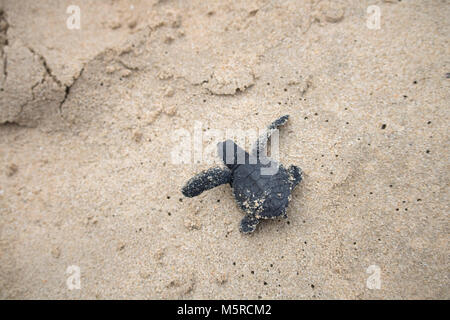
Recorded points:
(260, 192)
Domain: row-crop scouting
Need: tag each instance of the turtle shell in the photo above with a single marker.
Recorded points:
(265, 196)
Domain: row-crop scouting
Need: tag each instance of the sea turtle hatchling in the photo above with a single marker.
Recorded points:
(260, 192)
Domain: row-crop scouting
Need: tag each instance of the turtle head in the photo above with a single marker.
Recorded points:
(231, 154)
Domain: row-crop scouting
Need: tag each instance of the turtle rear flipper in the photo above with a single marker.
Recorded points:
(206, 180)
(295, 175)
(248, 223)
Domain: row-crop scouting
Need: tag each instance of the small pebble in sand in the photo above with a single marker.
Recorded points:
(11, 170)
(329, 11)
(192, 224)
(110, 69)
(334, 14)
(145, 274)
(164, 75)
(176, 23)
(221, 278)
(125, 73)
(159, 254)
(56, 252)
(169, 92)
(170, 110)
(132, 24)
(120, 246)
(168, 40)
(115, 25)
(137, 136)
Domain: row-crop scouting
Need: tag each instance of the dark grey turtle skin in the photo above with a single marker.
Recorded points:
(260, 192)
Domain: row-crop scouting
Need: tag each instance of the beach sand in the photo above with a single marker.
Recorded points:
(89, 122)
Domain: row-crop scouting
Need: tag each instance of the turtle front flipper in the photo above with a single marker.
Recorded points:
(206, 180)
(261, 144)
(249, 223)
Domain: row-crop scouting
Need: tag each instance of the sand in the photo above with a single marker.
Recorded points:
(89, 119)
